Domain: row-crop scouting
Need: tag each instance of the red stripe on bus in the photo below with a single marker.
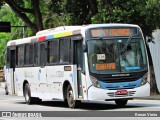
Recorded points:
(42, 38)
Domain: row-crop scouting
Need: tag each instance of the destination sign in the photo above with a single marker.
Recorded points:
(113, 32)
(105, 66)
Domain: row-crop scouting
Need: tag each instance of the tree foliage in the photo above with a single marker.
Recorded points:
(19, 7)
(153, 14)
(4, 38)
(39, 14)
(7, 15)
(43, 14)
(134, 12)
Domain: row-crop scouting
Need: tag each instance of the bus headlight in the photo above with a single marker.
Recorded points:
(144, 79)
(95, 82)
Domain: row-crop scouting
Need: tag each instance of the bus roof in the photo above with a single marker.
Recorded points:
(57, 29)
(63, 31)
(111, 25)
(20, 41)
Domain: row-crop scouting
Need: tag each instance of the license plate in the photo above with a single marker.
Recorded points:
(121, 92)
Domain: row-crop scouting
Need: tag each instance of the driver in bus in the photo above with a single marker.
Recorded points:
(128, 57)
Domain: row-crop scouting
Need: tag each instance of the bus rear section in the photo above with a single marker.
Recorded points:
(47, 67)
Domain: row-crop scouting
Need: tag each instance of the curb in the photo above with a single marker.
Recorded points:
(157, 97)
(2, 84)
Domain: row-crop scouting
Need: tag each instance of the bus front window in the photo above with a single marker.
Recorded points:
(115, 56)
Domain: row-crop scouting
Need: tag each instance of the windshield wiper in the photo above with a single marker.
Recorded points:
(126, 45)
(107, 45)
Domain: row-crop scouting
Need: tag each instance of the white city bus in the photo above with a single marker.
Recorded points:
(75, 63)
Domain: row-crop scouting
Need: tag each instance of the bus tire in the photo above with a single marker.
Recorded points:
(27, 94)
(121, 102)
(70, 98)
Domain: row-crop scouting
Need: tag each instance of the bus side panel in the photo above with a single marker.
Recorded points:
(9, 80)
(84, 87)
(36, 77)
(56, 76)
(49, 87)
(29, 74)
(19, 77)
(74, 82)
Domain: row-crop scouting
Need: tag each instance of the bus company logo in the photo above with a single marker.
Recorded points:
(6, 114)
(60, 73)
(121, 86)
(117, 75)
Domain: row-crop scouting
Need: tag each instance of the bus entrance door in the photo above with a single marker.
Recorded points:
(42, 69)
(11, 70)
(78, 61)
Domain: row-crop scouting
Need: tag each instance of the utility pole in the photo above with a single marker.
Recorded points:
(23, 28)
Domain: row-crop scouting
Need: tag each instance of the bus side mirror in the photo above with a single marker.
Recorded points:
(84, 48)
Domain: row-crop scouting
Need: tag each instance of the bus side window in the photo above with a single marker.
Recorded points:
(43, 54)
(17, 56)
(21, 55)
(65, 50)
(53, 49)
(8, 58)
(29, 54)
(26, 54)
(35, 54)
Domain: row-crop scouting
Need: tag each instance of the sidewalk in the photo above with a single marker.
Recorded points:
(156, 97)
(2, 88)
(2, 84)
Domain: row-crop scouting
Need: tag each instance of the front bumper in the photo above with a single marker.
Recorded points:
(102, 94)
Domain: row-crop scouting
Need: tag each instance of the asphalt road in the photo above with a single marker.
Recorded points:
(15, 103)
(86, 109)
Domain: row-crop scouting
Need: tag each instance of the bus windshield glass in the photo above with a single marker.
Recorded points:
(117, 55)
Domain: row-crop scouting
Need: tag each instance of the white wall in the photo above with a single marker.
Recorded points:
(155, 53)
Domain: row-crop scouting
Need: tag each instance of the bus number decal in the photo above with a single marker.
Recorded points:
(106, 66)
(60, 73)
(67, 68)
(101, 56)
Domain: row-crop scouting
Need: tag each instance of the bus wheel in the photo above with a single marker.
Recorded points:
(27, 94)
(121, 102)
(70, 98)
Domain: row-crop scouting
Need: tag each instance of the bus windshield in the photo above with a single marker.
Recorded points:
(116, 55)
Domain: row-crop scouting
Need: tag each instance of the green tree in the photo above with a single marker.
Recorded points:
(4, 38)
(153, 14)
(145, 13)
(25, 12)
(6, 14)
(142, 12)
(68, 12)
